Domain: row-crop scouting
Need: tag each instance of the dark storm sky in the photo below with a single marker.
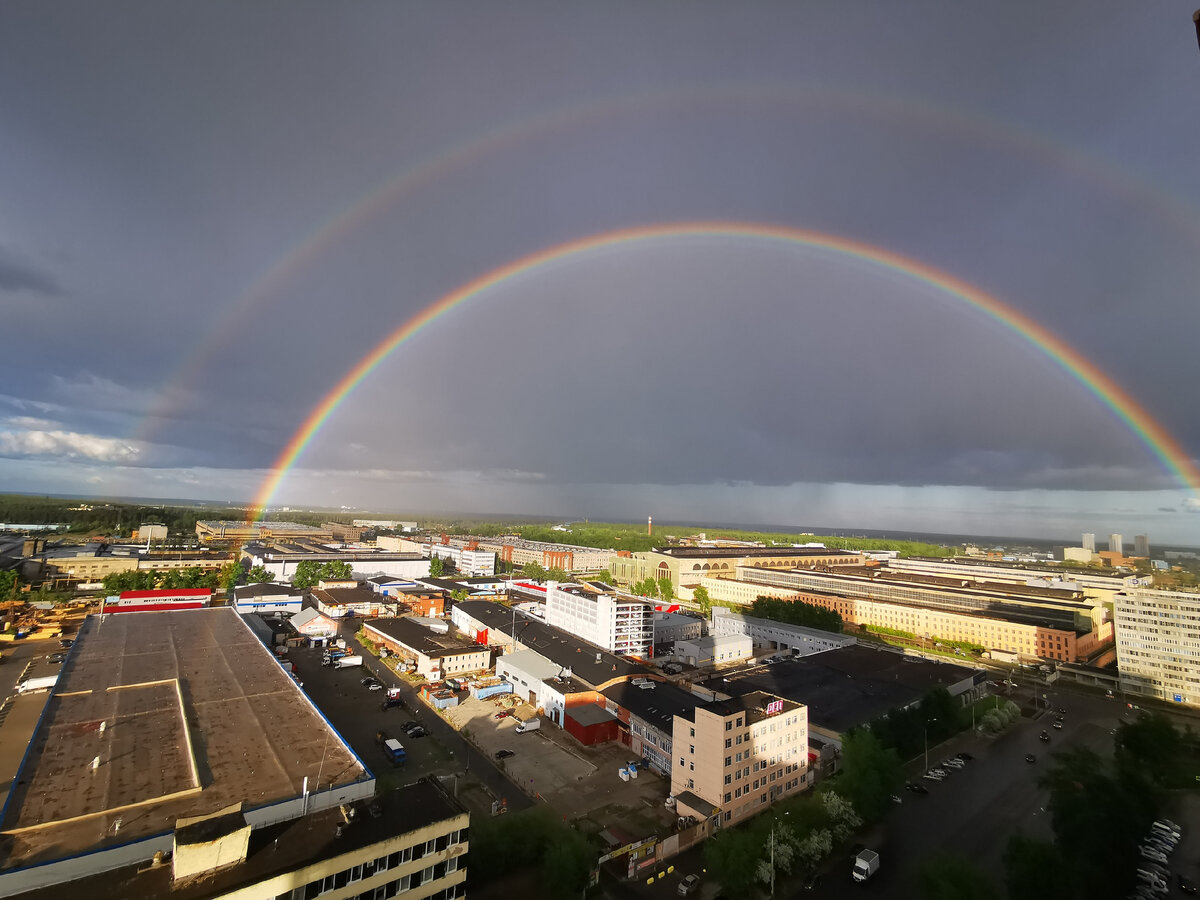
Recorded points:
(210, 212)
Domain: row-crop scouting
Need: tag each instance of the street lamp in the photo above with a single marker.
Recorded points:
(927, 742)
(774, 824)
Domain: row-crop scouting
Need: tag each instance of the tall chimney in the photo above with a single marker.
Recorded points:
(649, 524)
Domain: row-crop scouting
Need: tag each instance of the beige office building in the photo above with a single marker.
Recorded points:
(687, 566)
(734, 758)
(1158, 644)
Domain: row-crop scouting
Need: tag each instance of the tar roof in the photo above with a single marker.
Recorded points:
(161, 715)
(589, 662)
(266, 590)
(276, 849)
(846, 686)
(417, 637)
(657, 705)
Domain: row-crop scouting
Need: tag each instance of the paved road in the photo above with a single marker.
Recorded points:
(355, 712)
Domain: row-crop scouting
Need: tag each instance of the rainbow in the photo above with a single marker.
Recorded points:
(902, 111)
(1140, 422)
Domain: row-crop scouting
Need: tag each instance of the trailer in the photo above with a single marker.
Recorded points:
(33, 685)
(348, 662)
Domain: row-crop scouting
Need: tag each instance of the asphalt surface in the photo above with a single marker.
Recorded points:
(355, 712)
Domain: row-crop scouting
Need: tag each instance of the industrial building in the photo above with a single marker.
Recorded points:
(281, 559)
(1158, 644)
(241, 532)
(267, 598)
(713, 650)
(171, 736)
(437, 653)
(775, 636)
(1093, 585)
(686, 566)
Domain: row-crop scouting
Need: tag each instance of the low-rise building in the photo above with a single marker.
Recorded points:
(281, 559)
(670, 627)
(686, 566)
(714, 650)
(266, 598)
(313, 624)
(776, 636)
(339, 602)
(438, 654)
(240, 532)
(739, 755)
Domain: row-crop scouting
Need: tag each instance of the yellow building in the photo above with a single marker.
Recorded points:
(687, 566)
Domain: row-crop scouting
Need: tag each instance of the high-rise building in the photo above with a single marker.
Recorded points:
(1089, 542)
(619, 623)
(1158, 644)
(1116, 544)
(1141, 546)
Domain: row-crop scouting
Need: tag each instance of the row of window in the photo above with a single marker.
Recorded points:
(372, 867)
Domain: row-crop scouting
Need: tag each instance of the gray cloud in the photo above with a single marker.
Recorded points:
(18, 275)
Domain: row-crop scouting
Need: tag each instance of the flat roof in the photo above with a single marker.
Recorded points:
(590, 663)
(738, 552)
(424, 640)
(277, 849)
(589, 714)
(845, 686)
(658, 705)
(181, 713)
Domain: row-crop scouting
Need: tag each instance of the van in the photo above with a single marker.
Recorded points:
(531, 725)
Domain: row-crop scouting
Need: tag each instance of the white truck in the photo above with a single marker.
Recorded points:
(531, 725)
(32, 685)
(348, 662)
(866, 864)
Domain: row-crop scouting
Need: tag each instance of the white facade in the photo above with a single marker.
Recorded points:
(622, 625)
(471, 563)
(284, 567)
(799, 640)
(285, 600)
(1089, 541)
(528, 672)
(714, 650)
(671, 627)
(1158, 644)
(1078, 554)
(1116, 543)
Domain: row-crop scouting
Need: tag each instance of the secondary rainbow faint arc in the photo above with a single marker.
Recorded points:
(1156, 438)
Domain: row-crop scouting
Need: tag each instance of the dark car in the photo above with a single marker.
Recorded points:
(370, 680)
(1186, 886)
(1061, 711)
(916, 788)
(66, 642)
(409, 724)
(965, 757)
(1030, 758)
(504, 754)
(1044, 736)
(56, 657)
(416, 732)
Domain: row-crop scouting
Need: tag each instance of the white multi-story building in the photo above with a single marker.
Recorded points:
(1116, 544)
(619, 623)
(1141, 546)
(472, 563)
(670, 627)
(1089, 541)
(1158, 644)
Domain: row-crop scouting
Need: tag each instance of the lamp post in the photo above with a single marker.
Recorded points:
(774, 825)
(927, 742)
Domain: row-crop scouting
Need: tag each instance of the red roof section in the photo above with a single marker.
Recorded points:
(165, 593)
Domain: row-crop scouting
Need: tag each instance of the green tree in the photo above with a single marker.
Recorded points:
(459, 595)
(436, 567)
(533, 572)
(559, 574)
(259, 575)
(1151, 747)
(229, 575)
(605, 575)
(647, 587)
(134, 580)
(949, 877)
(8, 585)
(700, 595)
(796, 612)
(666, 590)
(336, 570)
(732, 856)
(1034, 868)
(307, 574)
(448, 566)
(871, 774)
(566, 864)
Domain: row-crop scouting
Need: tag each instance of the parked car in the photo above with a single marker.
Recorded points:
(916, 788)
(688, 885)
(66, 642)
(1030, 758)
(1184, 885)
(418, 732)
(504, 754)
(503, 714)
(1057, 725)
(965, 757)
(409, 724)
(56, 657)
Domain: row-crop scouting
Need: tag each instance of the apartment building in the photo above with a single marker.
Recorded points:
(738, 756)
(472, 563)
(621, 624)
(1158, 644)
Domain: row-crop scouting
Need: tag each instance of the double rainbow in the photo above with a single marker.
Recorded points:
(1139, 421)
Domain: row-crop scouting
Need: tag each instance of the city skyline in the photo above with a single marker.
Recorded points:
(739, 265)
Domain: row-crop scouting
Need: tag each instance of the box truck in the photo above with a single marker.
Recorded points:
(32, 685)
(866, 864)
(531, 725)
(348, 662)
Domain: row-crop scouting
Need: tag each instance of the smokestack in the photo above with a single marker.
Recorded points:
(649, 524)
